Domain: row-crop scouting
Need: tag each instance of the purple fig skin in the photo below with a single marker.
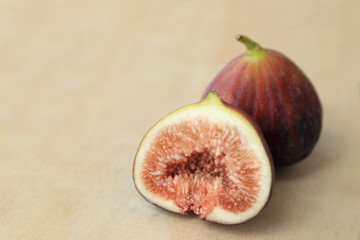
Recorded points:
(279, 97)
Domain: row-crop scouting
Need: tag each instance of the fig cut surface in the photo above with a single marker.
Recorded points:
(207, 158)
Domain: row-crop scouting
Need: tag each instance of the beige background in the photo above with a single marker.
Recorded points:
(82, 81)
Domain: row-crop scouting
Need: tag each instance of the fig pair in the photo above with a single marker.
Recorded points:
(215, 158)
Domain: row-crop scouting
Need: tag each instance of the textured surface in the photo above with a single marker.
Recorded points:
(82, 81)
(200, 165)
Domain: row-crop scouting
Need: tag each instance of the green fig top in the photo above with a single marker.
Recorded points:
(255, 52)
(213, 98)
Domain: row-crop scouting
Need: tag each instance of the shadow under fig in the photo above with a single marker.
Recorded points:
(330, 148)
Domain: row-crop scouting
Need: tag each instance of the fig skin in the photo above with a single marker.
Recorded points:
(277, 95)
(261, 138)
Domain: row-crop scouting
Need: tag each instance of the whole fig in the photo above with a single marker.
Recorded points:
(277, 95)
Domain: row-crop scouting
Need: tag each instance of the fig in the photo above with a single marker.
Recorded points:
(206, 158)
(277, 95)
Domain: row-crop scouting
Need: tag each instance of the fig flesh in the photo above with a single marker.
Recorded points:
(277, 95)
(207, 158)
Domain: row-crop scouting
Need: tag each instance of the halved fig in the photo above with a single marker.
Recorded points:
(207, 158)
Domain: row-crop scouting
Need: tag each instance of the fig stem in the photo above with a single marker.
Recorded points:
(250, 44)
(213, 97)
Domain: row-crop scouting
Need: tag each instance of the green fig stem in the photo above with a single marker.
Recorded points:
(213, 97)
(250, 44)
(254, 50)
